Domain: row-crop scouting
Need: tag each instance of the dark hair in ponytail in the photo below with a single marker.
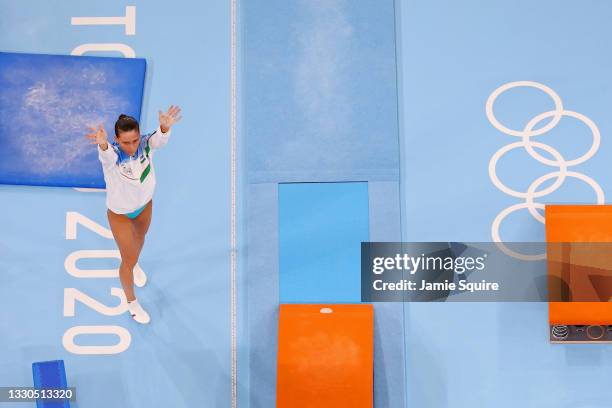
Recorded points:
(126, 123)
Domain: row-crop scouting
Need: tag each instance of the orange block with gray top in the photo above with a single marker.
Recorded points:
(325, 356)
(579, 255)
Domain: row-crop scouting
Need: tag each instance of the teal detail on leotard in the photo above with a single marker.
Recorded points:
(136, 213)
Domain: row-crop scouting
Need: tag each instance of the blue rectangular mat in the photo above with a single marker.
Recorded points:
(321, 227)
(46, 104)
(50, 374)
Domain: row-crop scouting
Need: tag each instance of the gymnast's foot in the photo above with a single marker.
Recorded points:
(140, 279)
(137, 312)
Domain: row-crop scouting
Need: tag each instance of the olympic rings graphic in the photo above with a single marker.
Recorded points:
(559, 162)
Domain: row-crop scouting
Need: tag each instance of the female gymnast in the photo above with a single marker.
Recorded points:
(127, 164)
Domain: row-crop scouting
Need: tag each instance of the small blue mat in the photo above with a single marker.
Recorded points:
(50, 374)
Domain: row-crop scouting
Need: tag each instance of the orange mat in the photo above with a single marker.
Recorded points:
(325, 356)
(578, 223)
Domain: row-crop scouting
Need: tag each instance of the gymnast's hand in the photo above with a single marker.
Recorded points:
(98, 136)
(167, 119)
